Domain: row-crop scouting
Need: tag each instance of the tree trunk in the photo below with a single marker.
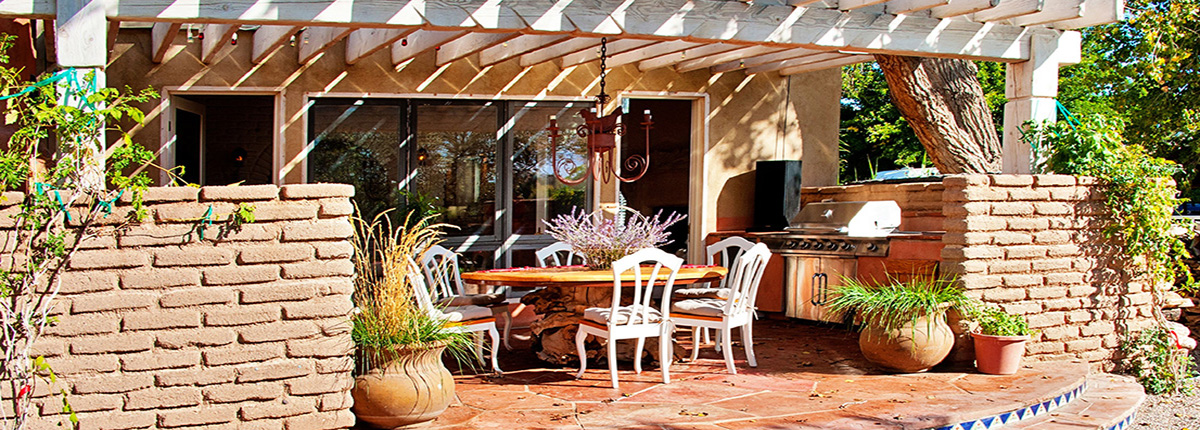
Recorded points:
(944, 103)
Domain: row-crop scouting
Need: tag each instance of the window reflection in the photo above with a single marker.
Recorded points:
(356, 144)
(537, 194)
(456, 147)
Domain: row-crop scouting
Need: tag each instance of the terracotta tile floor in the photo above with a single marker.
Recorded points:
(809, 376)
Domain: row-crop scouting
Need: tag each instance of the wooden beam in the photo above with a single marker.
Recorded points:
(34, 9)
(113, 28)
(470, 44)
(828, 64)
(649, 51)
(857, 4)
(162, 35)
(558, 50)
(316, 40)
(961, 7)
(367, 41)
(268, 38)
(794, 62)
(724, 57)
(80, 29)
(421, 41)
(764, 59)
(689, 54)
(1010, 9)
(614, 47)
(1095, 12)
(216, 37)
(898, 7)
(1056, 10)
(517, 47)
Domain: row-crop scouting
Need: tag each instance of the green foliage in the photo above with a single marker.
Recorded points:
(896, 303)
(1145, 70)
(1137, 188)
(995, 322)
(874, 136)
(1157, 363)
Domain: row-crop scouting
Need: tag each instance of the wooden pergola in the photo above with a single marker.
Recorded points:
(780, 36)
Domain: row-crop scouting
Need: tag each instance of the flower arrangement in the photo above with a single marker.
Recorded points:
(603, 240)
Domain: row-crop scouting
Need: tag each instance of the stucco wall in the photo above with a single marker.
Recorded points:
(158, 328)
(755, 117)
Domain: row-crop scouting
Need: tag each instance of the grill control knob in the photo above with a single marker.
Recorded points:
(872, 247)
(847, 246)
(805, 245)
(791, 244)
(818, 246)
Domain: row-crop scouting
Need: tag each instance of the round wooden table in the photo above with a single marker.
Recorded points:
(568, 290)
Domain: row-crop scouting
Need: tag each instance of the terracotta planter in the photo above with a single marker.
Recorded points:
(998, 355)
(411, 388)
(914, 347)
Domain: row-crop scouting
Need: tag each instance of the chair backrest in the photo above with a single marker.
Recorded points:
(420, 289)
(744, 281)
(726, 252)
(549, 256)
(665, 264)
(440, 266)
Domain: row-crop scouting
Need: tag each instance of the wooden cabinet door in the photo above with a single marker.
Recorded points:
(833, 269)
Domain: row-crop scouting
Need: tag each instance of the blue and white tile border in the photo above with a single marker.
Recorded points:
(1036, 409)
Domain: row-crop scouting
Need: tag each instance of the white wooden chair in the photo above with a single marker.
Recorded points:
(549, 256)
(440, 266)
(726, 253)
(463, 319)
(726, 314)
(638, 320)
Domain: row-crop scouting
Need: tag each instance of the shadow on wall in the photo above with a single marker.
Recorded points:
(735, 203)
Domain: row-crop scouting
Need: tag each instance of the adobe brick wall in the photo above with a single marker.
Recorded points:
(1034, 245)
(920, 202)
(241, 329)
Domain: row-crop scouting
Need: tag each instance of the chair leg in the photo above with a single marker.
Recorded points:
(706, 338)
(727, 344)
(478, 346)
(696, 342)
(579, 337)
(495, 348)
(666, 352)
(507, 328)
(612, 362)
(717, 344)
(637, 355)
(748, 340)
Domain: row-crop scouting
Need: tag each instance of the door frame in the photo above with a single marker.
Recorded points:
(699, 213)
(172, 118)
(166, 149)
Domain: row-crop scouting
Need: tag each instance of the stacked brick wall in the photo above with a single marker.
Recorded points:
(160, 328)
(920, 202)
(1033, 245)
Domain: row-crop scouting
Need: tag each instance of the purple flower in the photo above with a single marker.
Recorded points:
(603, 240)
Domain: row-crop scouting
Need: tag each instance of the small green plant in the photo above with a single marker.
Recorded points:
(387, 316)
(995, 322)
(1157, 363)
(893, 305)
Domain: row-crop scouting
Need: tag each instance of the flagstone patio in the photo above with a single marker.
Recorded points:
(809, 376)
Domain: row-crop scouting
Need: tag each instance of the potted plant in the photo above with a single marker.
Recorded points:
(999, 341)
(903, 323)
(603, 240)
(399, 376)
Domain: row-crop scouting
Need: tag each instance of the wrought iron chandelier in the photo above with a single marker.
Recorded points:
(601, 133)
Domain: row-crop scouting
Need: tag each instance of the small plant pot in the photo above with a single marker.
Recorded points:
(998, 355)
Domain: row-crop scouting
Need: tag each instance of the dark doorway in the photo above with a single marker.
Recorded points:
(665, 187)
(225, 139)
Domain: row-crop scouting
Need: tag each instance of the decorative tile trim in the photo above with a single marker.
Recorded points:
(1027, 412)
(1124, 423)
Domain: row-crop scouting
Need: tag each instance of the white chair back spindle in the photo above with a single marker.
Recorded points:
(643, 287)
(744, 284)
(441, 272)
(549, 256)
(726, 253)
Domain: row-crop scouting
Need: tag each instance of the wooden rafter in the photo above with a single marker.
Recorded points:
(316, 40)
(961, 7)
(828, 64)
(216, 38)
(649, 51)
(897, 7)
(1095, 12)
(367, 41)
(1054, 11)
(1010, 9)
(558, 50)
(614, 47)
(794, 62)
(268, 38)
(857, 4)
(518, 47)
(470, 44)
(688, 54)
(724, 57)
(417, 43)
(763, 59)
(161, 37)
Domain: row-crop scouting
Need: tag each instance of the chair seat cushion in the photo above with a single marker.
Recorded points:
(700, 307)
(702, 293)
(473, 300)
(602, 315)
(466, 313)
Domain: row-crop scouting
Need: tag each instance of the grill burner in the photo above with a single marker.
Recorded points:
(826, 244)
(846, 229)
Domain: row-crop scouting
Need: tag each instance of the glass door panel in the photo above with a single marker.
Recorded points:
(456, 163)
(537, 194)
(358, 143)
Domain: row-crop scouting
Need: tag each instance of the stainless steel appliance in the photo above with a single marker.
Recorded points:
(821, 246)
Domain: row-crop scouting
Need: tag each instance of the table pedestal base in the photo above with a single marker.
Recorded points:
(561, 309)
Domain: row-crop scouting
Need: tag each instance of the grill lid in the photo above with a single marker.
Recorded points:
(855, 219)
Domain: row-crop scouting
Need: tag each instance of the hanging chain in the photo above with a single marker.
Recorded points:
(603, 68)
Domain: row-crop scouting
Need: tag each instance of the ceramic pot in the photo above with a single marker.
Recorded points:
(998, 355)
(914, 347)
(410, 387)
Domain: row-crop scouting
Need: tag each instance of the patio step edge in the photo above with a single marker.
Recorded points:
(1037, 407)
(1111, 403)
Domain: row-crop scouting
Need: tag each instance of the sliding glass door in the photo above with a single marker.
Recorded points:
(481, 166)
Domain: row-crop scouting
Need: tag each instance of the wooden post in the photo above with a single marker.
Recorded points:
(1031, 87)
(81, 32)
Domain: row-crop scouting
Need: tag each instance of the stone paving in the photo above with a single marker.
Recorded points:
(808, 377)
